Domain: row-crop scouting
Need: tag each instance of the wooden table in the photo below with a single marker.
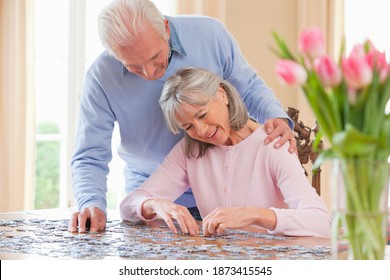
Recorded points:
(43, 234)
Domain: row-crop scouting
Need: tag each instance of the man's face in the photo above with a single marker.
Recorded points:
(147, 57)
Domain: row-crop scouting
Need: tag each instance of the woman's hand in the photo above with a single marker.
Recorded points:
(222, 218)
(234, 218)
(169, 211)
(279, 127)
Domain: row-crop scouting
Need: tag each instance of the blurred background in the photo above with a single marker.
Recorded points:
(46, 46)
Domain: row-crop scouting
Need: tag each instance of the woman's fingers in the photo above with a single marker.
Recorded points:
(170, 224)
(212, 226)
(186, 222)
(171, 212)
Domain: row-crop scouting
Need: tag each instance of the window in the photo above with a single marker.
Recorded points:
(51, 87)
(367, 19)
(66, 43)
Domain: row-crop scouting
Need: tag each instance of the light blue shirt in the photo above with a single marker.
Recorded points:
(112, 94)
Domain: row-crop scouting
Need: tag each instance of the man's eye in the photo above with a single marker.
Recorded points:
(134, 68)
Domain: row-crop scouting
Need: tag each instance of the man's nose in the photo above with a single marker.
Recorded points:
(148, 71)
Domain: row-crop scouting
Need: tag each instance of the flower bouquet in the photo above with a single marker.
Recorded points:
(349, 98)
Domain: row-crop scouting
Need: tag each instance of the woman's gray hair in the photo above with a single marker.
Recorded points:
(195, 86)
(122, 20)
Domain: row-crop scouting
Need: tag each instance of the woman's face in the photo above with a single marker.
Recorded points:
(209, 123)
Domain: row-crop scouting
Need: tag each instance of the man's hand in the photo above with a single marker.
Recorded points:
(280, 127)
(92, 216)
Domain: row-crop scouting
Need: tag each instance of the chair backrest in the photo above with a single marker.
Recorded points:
(305, 136)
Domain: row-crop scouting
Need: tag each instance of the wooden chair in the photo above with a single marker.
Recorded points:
(305, 136)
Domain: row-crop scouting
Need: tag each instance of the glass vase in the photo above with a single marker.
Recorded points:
(360, 208)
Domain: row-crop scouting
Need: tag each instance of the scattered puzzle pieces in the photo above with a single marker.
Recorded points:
(51, 238)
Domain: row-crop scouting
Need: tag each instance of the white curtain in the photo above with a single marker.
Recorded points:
(16, 105)
(329, 16)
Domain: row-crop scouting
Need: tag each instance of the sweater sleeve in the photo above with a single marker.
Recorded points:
(169, 181)
(93, 147)
(307, 214)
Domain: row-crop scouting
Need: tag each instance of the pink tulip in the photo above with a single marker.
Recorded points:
(328, 71)
(312, 42)
(356, 70)
(373, 57)
(378, 61)
(290, 72)
(358, 50)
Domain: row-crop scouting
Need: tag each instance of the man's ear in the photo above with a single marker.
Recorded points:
(167, 29)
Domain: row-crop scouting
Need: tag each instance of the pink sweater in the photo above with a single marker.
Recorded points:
(249, 173)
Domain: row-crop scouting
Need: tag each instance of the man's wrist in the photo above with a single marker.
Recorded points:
(284, 119)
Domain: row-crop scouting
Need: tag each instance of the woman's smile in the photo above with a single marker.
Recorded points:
(213, 133)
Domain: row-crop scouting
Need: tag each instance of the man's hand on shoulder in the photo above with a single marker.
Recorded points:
(92, 219)
(279, 127)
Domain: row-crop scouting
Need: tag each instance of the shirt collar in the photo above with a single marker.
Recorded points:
(174, 43)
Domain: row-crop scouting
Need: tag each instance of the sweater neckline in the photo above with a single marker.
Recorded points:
(256, 133)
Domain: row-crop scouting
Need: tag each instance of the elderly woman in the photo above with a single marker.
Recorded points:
(237, 180)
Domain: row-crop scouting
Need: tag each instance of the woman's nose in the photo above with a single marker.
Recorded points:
(201, 129)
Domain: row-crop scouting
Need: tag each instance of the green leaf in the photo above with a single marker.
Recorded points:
(352, 142)
(322, 157)
(317, 141)
(284, 52)
(386, 133)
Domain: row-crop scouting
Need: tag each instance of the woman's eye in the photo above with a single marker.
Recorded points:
(188, 127)
(202, 116)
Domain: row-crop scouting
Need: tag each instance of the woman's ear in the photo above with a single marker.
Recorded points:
(223, 95)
